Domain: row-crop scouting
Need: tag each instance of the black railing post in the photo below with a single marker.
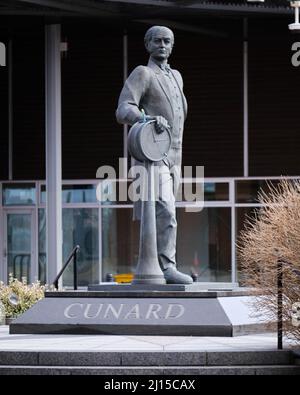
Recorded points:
(279, 304)
(72, 256)
(75, 268)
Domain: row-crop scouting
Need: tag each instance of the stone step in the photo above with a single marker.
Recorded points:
(150, 370)
(147, 358)
(296, 356)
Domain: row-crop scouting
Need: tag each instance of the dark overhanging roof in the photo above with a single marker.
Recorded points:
(140, 8)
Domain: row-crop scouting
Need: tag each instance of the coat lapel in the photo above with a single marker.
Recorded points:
(161, 81)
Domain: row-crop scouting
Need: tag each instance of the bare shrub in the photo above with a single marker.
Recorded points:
(272, 235)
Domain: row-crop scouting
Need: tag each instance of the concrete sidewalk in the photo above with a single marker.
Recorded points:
(256, 342)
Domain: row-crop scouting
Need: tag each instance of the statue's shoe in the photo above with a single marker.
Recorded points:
(173, 276)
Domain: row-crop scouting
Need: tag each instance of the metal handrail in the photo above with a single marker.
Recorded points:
(279, 304)
(74, 256)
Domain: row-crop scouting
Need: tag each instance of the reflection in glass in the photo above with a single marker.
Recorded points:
(19, 245)
(216, 191)
(74, 193)
(79, 194)
(18, 194)
(247, 190)
(80, 226)
(204, 243)
(42, 245)
(243, 214)
(213, 191)
(120, 241)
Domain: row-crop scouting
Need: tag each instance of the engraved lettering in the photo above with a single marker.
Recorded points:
(180, 311)
(123, 311)
(135, 312)
(67, 310)
(87, 310)
(116, 313)
(153, 310)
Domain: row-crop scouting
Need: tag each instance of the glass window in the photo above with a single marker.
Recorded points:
(243, 214)
(247, 191)
(42, 245)
(120, 241)
(19, 245)
(213, 191)
(43, 194)
(80, 226)
(114, 192)
(190, 192)
(74, 193)
(18, 194)
(79, 194)
(204, 243)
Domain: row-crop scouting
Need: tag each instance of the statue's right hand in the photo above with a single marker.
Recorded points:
(161, 124)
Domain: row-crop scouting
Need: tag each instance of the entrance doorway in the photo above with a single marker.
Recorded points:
(19, 249)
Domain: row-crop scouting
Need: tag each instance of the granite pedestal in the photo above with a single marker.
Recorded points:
(139, 312)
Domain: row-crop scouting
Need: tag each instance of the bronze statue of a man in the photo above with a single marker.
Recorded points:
(157, 90)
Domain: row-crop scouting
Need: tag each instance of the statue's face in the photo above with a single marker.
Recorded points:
(160, 45)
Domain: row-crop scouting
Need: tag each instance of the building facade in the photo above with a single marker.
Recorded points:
(242, 126)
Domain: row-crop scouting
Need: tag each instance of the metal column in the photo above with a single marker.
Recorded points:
(125, 127)
(53, 151)
(10, 110)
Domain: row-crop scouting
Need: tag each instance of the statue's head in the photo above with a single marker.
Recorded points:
(159, 41)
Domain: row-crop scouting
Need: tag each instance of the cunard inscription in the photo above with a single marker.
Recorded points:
(123, 311)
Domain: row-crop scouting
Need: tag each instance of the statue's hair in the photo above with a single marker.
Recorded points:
(153, 29)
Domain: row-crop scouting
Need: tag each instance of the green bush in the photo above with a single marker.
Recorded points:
(27, 295)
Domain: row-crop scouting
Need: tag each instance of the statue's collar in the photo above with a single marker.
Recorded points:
(158, 68)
